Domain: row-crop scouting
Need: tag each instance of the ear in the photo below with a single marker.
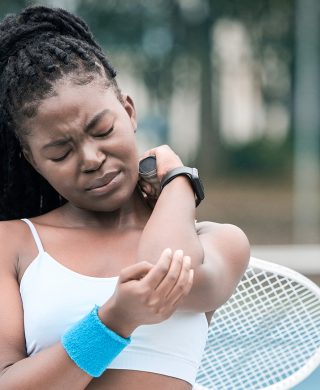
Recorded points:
(29, 157)
(131, 111)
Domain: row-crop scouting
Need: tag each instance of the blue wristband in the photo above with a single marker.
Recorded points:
(92, 345)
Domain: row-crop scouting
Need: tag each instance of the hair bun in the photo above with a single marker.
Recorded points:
(17, 30)
(56, 19)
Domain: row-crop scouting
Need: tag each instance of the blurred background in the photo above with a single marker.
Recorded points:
(233, 87)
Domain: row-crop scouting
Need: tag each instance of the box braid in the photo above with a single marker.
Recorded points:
(38, 47)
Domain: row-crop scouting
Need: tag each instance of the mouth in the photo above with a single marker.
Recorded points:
(102, 182)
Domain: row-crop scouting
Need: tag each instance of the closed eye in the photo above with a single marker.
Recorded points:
(101, 135)
(60, 158)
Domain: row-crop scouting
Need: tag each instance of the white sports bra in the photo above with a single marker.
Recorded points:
(55, 297)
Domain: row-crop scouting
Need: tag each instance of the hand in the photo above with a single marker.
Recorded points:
(166, 161)
(148, 294)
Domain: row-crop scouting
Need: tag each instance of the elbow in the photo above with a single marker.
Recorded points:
(237, 255)
(230, 263)
(234, 260)
(226, 260)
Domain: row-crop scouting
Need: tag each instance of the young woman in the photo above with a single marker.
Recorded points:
(90, 293)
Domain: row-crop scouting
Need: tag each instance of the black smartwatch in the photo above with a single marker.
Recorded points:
(192, 175)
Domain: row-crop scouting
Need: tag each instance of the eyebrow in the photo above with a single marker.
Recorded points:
(58, 142)
(92, 123)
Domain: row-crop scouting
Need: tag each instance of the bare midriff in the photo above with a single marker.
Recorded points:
(136, 380)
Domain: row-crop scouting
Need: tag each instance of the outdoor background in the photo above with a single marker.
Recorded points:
(233, 87)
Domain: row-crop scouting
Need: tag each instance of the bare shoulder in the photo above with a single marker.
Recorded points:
(227, 242)
(12, 346)
(12, 236)
(8, 231)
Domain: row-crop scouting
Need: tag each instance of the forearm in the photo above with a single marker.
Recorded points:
(75, 360)
(49, 369)
(219, 253)
(172, 224)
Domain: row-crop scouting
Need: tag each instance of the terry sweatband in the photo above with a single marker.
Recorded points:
(92, 345)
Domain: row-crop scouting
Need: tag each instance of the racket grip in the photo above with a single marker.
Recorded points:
(148, 172)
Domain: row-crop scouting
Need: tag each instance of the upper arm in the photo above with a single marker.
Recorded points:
(12, 342)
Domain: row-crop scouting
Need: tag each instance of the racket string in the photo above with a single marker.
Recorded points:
(266, 332)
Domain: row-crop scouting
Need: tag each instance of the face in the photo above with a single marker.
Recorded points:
(82, 142)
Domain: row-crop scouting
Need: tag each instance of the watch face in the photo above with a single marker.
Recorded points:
(148, 165)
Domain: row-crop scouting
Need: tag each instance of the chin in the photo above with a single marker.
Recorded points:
(111, 203)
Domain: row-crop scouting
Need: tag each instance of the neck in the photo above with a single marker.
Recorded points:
(133, 214)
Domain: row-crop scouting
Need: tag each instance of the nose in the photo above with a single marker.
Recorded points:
(92, 157)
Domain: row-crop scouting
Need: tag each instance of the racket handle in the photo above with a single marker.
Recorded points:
(148, 172)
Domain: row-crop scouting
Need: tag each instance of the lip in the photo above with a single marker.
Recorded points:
(102, 181)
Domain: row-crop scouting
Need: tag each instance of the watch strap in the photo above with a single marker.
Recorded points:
(191, 173)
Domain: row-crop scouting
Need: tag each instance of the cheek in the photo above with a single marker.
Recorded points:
(126, 146)
(130, 160)
(59, 177)
(131, 164)
(134, 158)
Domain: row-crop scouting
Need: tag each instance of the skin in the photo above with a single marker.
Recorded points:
(198, 273)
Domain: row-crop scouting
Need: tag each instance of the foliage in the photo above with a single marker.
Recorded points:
(260, 157)
(157, 35)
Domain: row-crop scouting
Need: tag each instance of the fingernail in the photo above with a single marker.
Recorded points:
(168, 251)
(187, 260)
(179, 252)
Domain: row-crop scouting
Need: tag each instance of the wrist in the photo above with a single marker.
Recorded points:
(110, 317)
(192, 175)
(91, 345)
(183, 184)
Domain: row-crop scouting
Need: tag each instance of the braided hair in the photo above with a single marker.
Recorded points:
(38, 47)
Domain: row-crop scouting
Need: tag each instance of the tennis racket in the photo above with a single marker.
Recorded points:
(267, 335)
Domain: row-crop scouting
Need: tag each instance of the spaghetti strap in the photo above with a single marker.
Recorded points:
(34, 234)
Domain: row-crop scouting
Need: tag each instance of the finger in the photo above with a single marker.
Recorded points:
(156, 191)
(160, 269)
(169, 281)
(188, 287)
(181, 285)
(146, 187)
(135, 271)
(159, 151)
(147, 153)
